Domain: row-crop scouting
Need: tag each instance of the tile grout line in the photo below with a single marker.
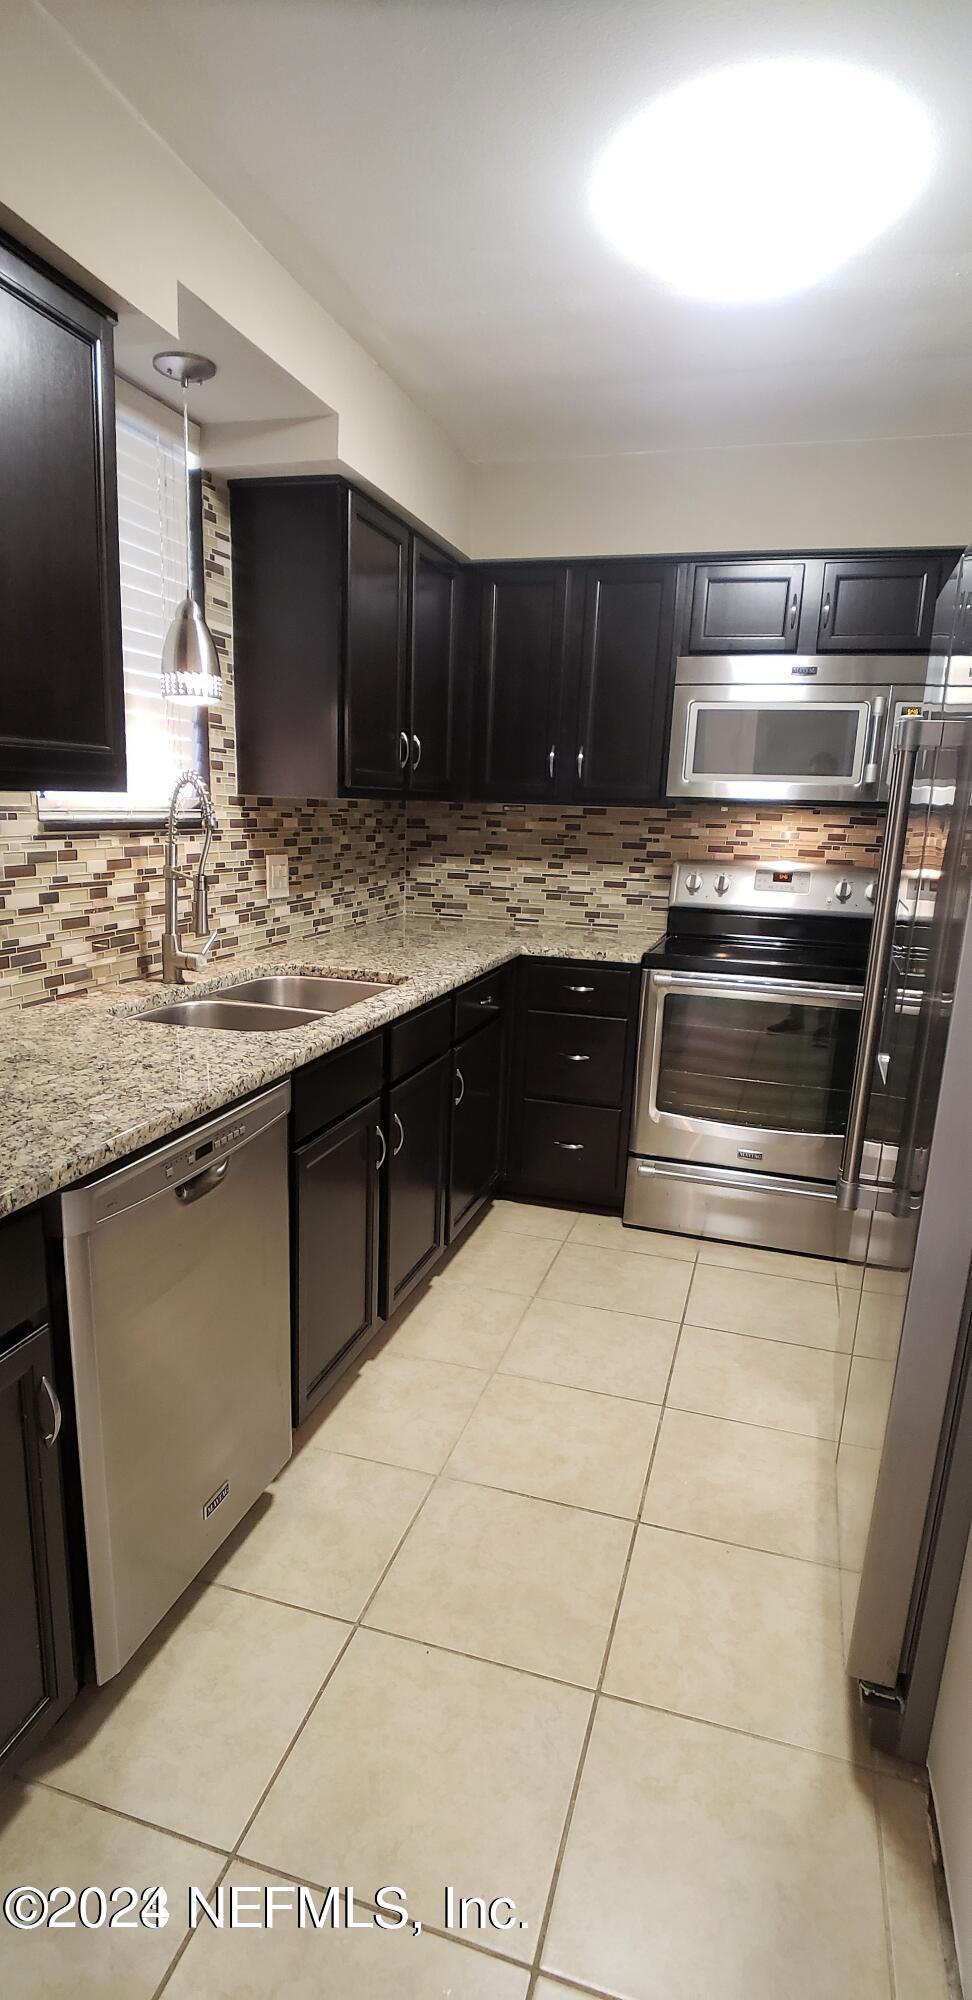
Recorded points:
(885, 1886)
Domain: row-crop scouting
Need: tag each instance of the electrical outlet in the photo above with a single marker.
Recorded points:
(278, 878)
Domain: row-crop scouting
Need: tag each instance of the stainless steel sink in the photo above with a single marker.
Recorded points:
(241, 1015)
(320, 993)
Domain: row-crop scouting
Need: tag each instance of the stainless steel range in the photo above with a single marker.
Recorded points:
(750, 1018)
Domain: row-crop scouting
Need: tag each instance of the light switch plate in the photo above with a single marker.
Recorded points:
(278, 878)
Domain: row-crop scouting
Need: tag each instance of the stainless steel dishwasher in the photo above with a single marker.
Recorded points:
(178, 1285)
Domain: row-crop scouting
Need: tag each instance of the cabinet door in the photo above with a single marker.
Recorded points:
(477, 1124)
(415, 1203)
(878, 604)
(376, 743)
(625, 667)
(435, 666)
(336, 1189)
(37, 1678)
(62, 709)
(746, 607)
(524, 637)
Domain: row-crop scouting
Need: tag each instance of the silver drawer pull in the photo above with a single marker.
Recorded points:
(569, 1145)
(401, 1135)
(579, 989)
(384, 1149)
(489, 1002)
(50, 1437)
(568, 1058)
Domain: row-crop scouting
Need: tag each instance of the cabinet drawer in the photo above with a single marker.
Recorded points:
(561, 987)
(480, 1002)
(576, 1059)
(327, 1090)
(569, 1152)
(419, 1038)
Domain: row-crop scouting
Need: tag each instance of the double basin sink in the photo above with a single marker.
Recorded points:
(288, 1000)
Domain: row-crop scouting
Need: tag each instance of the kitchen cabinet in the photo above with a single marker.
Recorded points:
(626, 651)
(437, 672)
(37, 1672)
(572, 1074)
(524, 638)
(478, 1077)
(414, 1219)
(878, 604)
(336, 1184)
(377, 746)
(745, 607)
(62, 710)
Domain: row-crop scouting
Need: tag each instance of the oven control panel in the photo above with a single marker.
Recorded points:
(801, 888)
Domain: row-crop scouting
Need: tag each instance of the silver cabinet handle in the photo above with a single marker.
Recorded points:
(568, 1058)
(825, 620)
(551, 760)
(580, 761)
(579, 989)
(50, 1437)
(461, 1081)
(793, 611)
(569, 1145)
(416, 752)
(490, 1001)
(204, 1183)
(402, 749)
(384, 1149)
(399, 1127)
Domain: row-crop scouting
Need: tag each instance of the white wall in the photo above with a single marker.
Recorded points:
(89, 178)
(892, 492)
(950, 1769)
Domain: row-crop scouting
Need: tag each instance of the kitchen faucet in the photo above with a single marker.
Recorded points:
(176, 962)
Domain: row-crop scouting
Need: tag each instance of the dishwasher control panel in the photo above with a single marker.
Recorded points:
(196, 1156)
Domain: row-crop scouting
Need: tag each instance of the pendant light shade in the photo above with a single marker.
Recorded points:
(190, 663)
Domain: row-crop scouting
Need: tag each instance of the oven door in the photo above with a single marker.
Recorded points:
(779, 742)
(752, 1073)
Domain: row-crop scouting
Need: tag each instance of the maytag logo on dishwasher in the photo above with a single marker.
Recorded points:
(215, 1500)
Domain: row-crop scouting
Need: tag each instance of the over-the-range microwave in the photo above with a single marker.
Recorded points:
(807, 727)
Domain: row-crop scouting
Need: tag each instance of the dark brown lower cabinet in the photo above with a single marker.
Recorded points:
(574, 1049)
(477, 1125)
(336, 1179)
(416, 1179)
(37, 1673)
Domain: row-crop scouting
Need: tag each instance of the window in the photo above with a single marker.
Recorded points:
(162, 738)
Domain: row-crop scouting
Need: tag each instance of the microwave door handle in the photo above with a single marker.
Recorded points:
(907, 745)
(871, 769)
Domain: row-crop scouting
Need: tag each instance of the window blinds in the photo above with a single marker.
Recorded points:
(160, 736)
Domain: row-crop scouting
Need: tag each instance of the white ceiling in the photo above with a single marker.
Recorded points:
(421, 167)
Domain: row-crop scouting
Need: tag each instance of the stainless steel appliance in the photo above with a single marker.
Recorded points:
(749, 1025)
(804, 727)
(177, 1270)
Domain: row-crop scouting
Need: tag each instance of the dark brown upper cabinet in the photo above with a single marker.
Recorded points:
(625, 665)
(377, 741)
(878, 604)
(746, 607)
(436, 665)
(523, 656)
(62, 708)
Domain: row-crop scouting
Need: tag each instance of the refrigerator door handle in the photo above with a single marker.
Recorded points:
(912, 731)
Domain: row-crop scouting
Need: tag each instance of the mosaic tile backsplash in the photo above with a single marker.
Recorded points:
(86, 908)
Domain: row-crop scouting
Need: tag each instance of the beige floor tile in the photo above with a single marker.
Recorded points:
(555, 1989)
(735, 1483)
(857, 1476)
(509, 1579)
(703, 1865)
(850, 1584)
(322, 1533)
(47, 1839)
(893, 1283)
(877, 1326)
(608, 1232)
(399, 1409)
(191, 1730)
(422, 1768)
(773, 1263)
(305, 1964)
(916, 1939)
(584, 1347)
(735, 1636)
(769, 1307)
(582, 1275)
(453, 1321)
(868, 1402)
(759, 1382)
(501, 1261)
(558, 1444)
(530, 1218)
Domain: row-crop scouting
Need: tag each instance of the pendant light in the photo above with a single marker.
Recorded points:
(190, 663)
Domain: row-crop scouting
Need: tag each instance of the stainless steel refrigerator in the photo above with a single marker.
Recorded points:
(904, 1460)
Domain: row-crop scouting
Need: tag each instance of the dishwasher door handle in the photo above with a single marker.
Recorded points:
(204, 1183)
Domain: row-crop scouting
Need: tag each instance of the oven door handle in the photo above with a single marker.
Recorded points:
(871, 770)
(735, 986)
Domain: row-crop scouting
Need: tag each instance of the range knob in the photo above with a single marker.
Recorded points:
(721, 884)
(693, 883)
(869, 892)
(844, 891)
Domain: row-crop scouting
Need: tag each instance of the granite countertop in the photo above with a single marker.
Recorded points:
(83, 1084)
